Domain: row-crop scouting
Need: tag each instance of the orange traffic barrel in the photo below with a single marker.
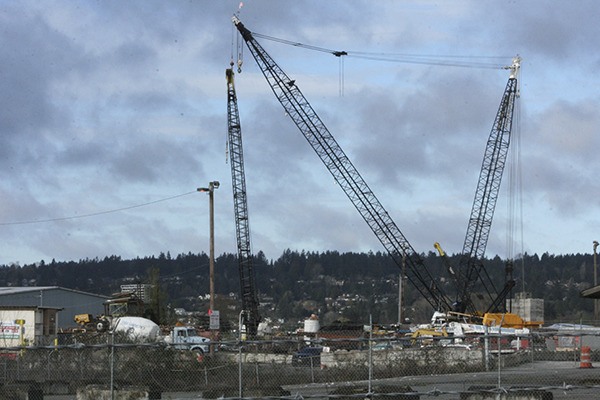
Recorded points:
(586, 357)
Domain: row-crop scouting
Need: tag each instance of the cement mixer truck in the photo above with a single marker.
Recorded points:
(136, 329)
(143, 330)
(117, 319)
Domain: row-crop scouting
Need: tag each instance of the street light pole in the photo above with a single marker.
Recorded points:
(211, 189)
(595, 243)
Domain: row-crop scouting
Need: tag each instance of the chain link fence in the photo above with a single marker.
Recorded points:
(542, 365)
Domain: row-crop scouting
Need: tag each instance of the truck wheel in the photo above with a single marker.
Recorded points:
(101, 326)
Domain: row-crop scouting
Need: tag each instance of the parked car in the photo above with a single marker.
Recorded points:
(230, 346)
(307, 356)
(383, 346)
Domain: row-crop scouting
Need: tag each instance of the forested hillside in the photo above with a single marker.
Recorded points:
(331, 284)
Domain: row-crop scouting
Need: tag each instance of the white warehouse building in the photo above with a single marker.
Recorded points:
(27, 326)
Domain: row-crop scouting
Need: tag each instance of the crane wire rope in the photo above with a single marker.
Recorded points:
(520, 211)
(405, 58)
(520, 200)
(94, 214)
(514, 232)
(341, 77)
(464, 61)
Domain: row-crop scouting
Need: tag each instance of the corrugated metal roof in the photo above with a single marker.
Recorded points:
(9, 290)
(23, 289)
(591, 293)
(30, 308)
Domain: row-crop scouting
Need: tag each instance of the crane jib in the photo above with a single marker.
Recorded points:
(246, 268)
(470, 268)
(344, 172)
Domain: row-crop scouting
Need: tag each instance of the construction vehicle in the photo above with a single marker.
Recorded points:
(117, 320)
(427, 336)
(470, 268)
(137, 329)
(122, 314)
(345, 174)
(459, 329)
(119, 305)
(89, 322)
(372, 211)
(187, 338)
(238, 180)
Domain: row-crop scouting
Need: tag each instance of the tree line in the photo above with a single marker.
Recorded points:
(334, 285)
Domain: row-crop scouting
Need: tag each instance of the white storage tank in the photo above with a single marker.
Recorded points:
(311, 324)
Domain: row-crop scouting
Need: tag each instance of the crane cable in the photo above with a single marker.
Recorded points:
(427, 59)
(514, 231)
(423, 59)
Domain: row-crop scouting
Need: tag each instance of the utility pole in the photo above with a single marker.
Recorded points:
(595, 279)
(210, 189)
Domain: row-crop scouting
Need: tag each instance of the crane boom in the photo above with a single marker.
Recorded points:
(238, 180)
(344, 173)
(470, 265)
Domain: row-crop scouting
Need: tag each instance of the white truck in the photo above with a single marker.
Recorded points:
(134, 328)
(138, 329)
(186, 338)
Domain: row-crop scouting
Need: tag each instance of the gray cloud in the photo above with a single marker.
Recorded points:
(111, 104)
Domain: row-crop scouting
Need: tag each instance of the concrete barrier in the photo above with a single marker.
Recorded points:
(22, 391)
(479, 393)
(388, 392)
(95, 392)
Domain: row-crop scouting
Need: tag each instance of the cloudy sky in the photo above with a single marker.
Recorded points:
(113, 113)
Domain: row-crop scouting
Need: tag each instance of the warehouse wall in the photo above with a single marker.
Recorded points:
(72, 302)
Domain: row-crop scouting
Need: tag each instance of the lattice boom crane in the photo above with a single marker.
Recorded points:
(238, 179)
(470, 268)
(344, 173)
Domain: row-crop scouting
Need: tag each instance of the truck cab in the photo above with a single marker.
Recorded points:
(186, 338)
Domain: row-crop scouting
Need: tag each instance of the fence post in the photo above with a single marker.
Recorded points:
(240, 370)
(499, 358)
(370, 351)
(112, 366)
(312, 368)
(486, 347)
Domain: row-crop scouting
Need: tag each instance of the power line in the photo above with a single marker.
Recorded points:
(96, 213)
